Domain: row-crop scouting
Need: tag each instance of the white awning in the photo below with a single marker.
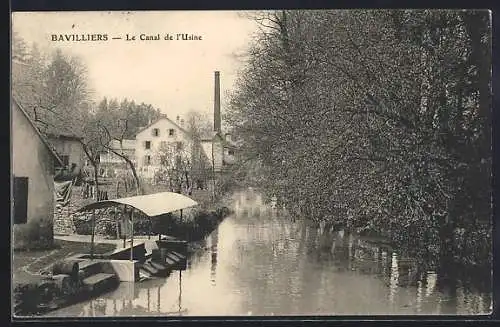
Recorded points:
(151, 204)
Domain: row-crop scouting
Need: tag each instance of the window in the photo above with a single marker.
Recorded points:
(230, 152)
(156, 132)
(171, 132)
(147, 160)
(20, 200)
(147, 145)
(179, 146)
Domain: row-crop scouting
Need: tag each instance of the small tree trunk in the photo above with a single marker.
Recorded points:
(96, 181)
(92, 236)
(139, 190)
(117, 226)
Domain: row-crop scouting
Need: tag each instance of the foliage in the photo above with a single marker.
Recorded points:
(52, 89)
(35, 234)
(124, 118)
(55, 92)
(184, 165)
(378, 120)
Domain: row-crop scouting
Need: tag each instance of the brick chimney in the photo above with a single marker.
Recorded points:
(217, 118)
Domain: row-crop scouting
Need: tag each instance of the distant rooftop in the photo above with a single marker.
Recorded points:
(127, 144)
(64, 135)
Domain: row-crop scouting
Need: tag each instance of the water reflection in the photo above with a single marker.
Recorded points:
(259, 262)
(214, 238)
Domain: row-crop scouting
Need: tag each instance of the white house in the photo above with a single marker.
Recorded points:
(126, 147)
(216, 149)
(159, 137)
(32, 169)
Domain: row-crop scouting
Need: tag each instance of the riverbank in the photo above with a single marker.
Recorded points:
(258, 263)
(34, 290)
(462, 265)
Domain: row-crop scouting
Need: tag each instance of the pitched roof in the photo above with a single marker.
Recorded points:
(226, 143)
(157, 120)
(209, 136)
(64, 136)
(32, 123)
(126, 143)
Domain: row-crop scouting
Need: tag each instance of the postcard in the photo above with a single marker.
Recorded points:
(251, 163)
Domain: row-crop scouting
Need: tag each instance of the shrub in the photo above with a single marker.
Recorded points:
(83, 224)
(106, 227)
(142, 226)
(35, 234)
(26, 298)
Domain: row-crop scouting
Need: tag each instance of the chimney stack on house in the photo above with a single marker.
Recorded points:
(177, 119)
(217, 118)
(182, 123)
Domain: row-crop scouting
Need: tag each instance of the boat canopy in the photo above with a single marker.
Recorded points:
(151, 205)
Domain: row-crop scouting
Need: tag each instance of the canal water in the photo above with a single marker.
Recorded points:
(258, 262)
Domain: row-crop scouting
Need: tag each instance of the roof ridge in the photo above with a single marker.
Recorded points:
(32, 123)
(157, 120)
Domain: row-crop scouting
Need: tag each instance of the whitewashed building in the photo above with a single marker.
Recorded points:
(126, 147)
(153, 141)
(70, 150)
(33, 165)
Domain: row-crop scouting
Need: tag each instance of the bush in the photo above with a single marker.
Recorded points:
(162, 224)
(35, 234)
(472, 246)
(29, 297)
(26, 299)
(142, 226)
(200, 225)
(106, 227)
(83, 224)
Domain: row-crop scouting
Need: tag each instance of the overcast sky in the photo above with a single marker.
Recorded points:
(174, 76)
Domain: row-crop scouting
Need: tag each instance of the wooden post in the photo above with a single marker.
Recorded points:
(150, 228)
(116, 224)
(124, 223)
(180, 290)
(148, 301)
(158, 307)
(132, 234)
(92, 235)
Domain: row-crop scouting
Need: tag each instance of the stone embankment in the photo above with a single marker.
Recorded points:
(68, 221)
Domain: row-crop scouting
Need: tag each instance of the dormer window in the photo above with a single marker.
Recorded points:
(171, 132)
(156, 132)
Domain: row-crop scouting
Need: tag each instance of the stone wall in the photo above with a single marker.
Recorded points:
(67, 221)
(63, 216)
